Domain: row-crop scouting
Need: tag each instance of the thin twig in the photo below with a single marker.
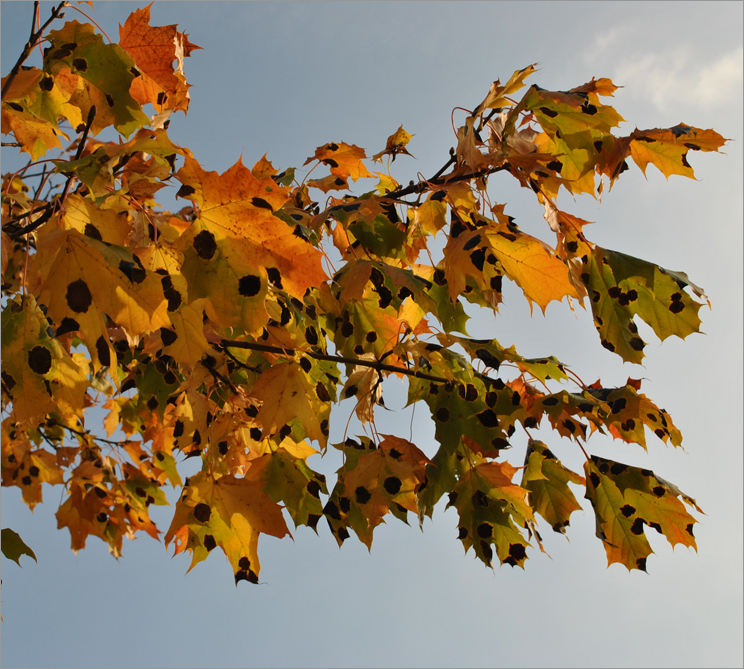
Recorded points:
(32, 40)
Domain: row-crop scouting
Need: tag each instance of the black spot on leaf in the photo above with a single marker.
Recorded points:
(275, 277)
(167, 336)
(311, 335)
(249, 285)
(313, 488)
(67, 325)
(487, 552)
(331, 510)
(362, 495)
(608, 345)
(109, 100)
(186, 192)
(92, 232)
(205, 245)
(133, 270)
(517, 551)
(344, 504)
(306, 365)
(40, 359)
(478, 257)
(261, 203)
(322, 392)
(627, 510)
(392, 485)
(209, 543)
(637, 526)
(636, 343)
(442, 414)
(589, 109)
(202, 512)
(548, 112)
(78, 296)
(485, 530)
(488, 418)
(594, 478)
(80, 64)
(102, 349)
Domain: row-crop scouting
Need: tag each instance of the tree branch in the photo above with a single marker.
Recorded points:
(32, 41)
(373, 364)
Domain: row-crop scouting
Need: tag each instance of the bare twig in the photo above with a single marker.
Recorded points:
(32, 41)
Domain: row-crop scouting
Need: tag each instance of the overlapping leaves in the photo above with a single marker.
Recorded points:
(216, 333)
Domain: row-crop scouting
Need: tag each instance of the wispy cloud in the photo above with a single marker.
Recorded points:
(670, 77)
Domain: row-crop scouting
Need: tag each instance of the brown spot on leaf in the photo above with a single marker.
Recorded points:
(442, 414)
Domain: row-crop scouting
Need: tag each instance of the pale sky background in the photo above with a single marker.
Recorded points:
(283, 78)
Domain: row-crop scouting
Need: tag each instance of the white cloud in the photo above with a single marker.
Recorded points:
(675, 76)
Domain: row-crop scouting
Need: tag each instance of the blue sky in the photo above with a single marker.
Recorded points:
(283, 78)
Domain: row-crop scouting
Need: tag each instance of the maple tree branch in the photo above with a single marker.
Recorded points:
(32, 41)
(374, 364)
(15, 232)
(438, 180)
(83, 433)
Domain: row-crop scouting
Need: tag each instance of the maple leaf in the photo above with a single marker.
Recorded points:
(39, 376)
(497, 94)
(36, 136)
(620, 287)
(287, 393)
(345, 160)
(394, 145)
(546, 479)
(500, 249)
(228, 512)
(625, 499)
(374, 481)
(154, 49)
(488, 503)
(667, 148)
(102, 75)
(288, 479)
(14, 547)
(236, 217)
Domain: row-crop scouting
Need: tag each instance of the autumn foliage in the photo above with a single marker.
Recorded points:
(229, 330)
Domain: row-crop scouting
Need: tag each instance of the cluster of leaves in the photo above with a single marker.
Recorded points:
(216, 333)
